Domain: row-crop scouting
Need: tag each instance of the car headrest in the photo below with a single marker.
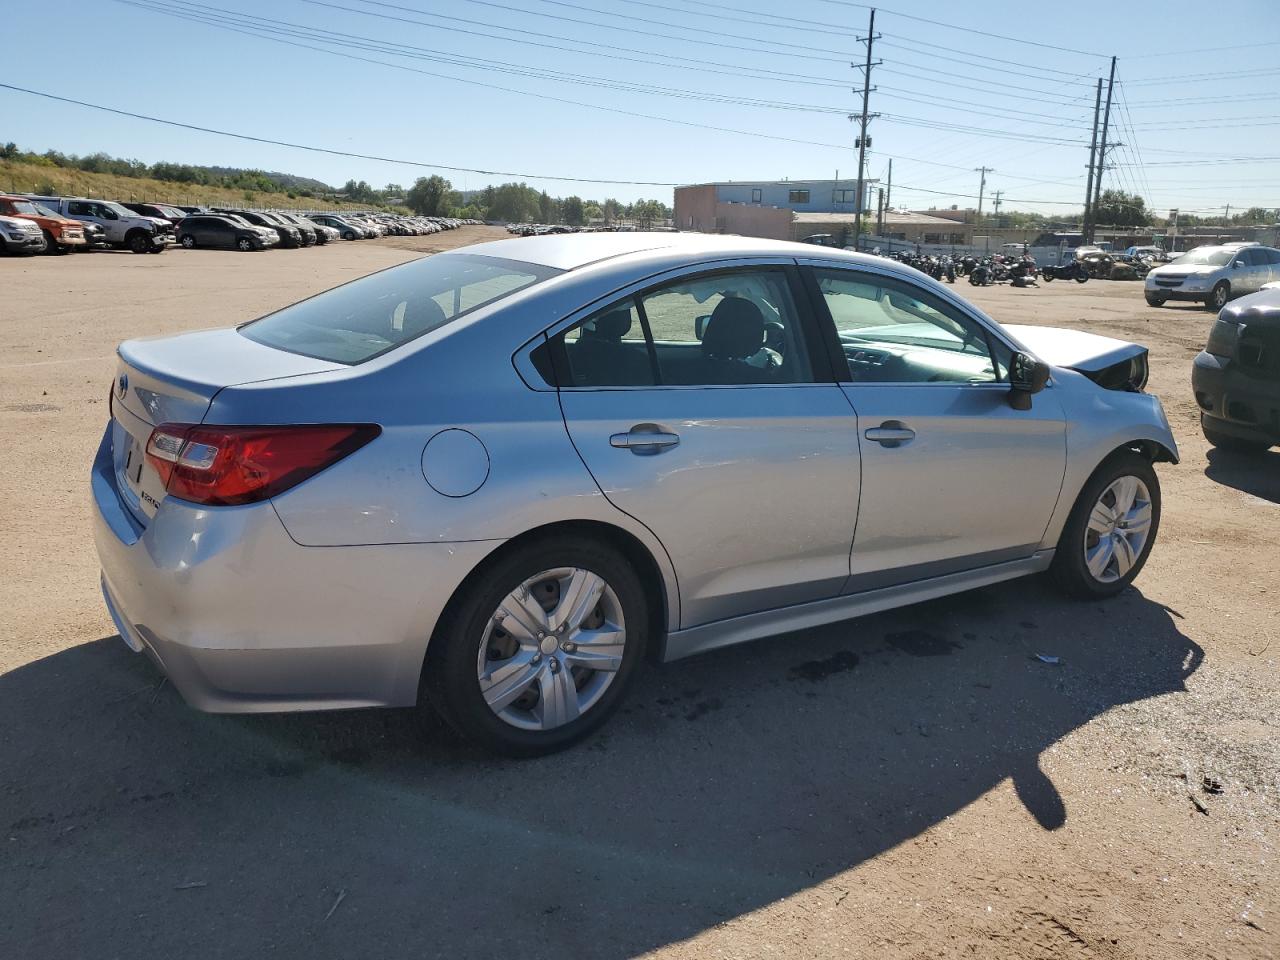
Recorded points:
(735, 330)
(613, 325)
(422, 315)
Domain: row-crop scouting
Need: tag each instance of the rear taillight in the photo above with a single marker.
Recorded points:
(226, 466)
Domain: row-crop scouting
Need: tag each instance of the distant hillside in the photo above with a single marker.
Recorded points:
(287, 180)
(21, 176)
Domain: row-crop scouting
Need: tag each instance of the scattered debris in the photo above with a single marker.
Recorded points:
(1046, 658)
(342, 895)
(193, 885)
(1210, 784)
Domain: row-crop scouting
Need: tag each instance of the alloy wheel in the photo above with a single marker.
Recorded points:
(551, 649)
(1118, 528)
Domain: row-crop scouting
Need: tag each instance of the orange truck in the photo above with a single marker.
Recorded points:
(60, 234)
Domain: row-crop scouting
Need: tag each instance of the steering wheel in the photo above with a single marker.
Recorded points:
(775, 336)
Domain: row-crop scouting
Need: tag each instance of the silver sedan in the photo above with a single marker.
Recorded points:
(491, 481)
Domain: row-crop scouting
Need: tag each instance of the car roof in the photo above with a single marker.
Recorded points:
(569, 251)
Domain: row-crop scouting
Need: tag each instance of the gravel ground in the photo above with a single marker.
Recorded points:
(909, 785)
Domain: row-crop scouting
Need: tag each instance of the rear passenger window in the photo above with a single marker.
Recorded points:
(736, 328)
(608, 349)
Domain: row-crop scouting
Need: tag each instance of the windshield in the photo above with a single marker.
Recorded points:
(367, 317)
(44, 211)
(121, 211)
(1211, 256)
(24, 206)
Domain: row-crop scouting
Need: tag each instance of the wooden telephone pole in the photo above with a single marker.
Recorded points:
(863, 141)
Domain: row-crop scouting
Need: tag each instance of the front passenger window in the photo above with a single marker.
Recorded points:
(893, 332)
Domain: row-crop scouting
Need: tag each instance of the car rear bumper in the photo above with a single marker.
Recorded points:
(243, 620)
(1234, 402)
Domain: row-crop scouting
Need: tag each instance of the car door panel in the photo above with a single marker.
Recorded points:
(975, 485)
(755, 503)
(953, 477)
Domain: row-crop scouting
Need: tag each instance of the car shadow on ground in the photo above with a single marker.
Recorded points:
(136, 826)
(1257, 474)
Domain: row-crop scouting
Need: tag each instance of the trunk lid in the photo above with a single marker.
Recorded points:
(174, 380)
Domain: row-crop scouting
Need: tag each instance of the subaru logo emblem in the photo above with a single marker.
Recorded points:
(122, 385)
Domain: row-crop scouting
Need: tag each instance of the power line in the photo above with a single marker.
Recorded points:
(1011, 63)
(955, 26)
(327, 150)
(666, 36)
(353, 41)
(525, 93)
(591, 23)
(971, 63)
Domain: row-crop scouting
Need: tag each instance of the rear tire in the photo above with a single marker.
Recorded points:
(469, 639)
(1121, 557)
(188, 241)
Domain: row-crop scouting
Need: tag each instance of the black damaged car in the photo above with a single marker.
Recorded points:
(1236, 378)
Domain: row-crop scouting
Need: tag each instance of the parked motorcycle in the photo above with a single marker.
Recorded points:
(1071, 271)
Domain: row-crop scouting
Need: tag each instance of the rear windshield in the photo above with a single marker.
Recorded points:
(367, 317)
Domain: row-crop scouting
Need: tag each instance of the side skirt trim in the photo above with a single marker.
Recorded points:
(724, 633)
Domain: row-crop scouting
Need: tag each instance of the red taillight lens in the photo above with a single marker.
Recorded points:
(226, 466)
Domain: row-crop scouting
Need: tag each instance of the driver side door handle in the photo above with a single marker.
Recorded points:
(891, 433)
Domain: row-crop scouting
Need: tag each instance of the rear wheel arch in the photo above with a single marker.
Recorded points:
(623, 542)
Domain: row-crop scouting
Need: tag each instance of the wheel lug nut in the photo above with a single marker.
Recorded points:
(570, 647)
(537, 658)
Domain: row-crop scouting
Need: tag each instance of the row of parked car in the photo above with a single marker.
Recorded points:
(40, 224)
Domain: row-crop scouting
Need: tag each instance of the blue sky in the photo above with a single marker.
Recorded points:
(950, 99)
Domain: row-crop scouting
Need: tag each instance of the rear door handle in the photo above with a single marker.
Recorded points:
(891, 433)
(645, 438)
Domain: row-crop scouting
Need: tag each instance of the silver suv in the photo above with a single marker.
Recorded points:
(1213, 275)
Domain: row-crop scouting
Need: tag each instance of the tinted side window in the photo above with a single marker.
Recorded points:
(608, 349)
(732, 328)
(893, 332)
(83, 209)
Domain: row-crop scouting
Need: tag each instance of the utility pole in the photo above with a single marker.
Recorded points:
(996, 205)
(1226, 216)
(880, 213)
(982, 188)
(1102, 150)
(863, 142)
(1086, 223)
(888, 190)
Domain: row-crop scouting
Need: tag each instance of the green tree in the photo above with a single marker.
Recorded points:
(430, 196)
(512, 202)
(592, 212)
(1119, 209)
(572, 210)
(611, 209)
(548, 209)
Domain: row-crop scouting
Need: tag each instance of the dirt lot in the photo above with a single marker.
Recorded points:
(913, 784)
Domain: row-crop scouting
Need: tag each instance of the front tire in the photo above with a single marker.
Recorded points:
(348, 235)
(1155, 300)
(244, 244)
(536, 652)
(1111, 529)
(1218, 296)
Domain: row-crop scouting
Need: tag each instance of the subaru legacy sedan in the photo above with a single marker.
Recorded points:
(488, 482)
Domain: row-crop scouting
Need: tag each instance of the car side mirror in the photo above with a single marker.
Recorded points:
(1237, 264)
(700, 325)
(1027, 376)
(110, 215)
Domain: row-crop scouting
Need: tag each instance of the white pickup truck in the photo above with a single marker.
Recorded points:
(123, 227)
